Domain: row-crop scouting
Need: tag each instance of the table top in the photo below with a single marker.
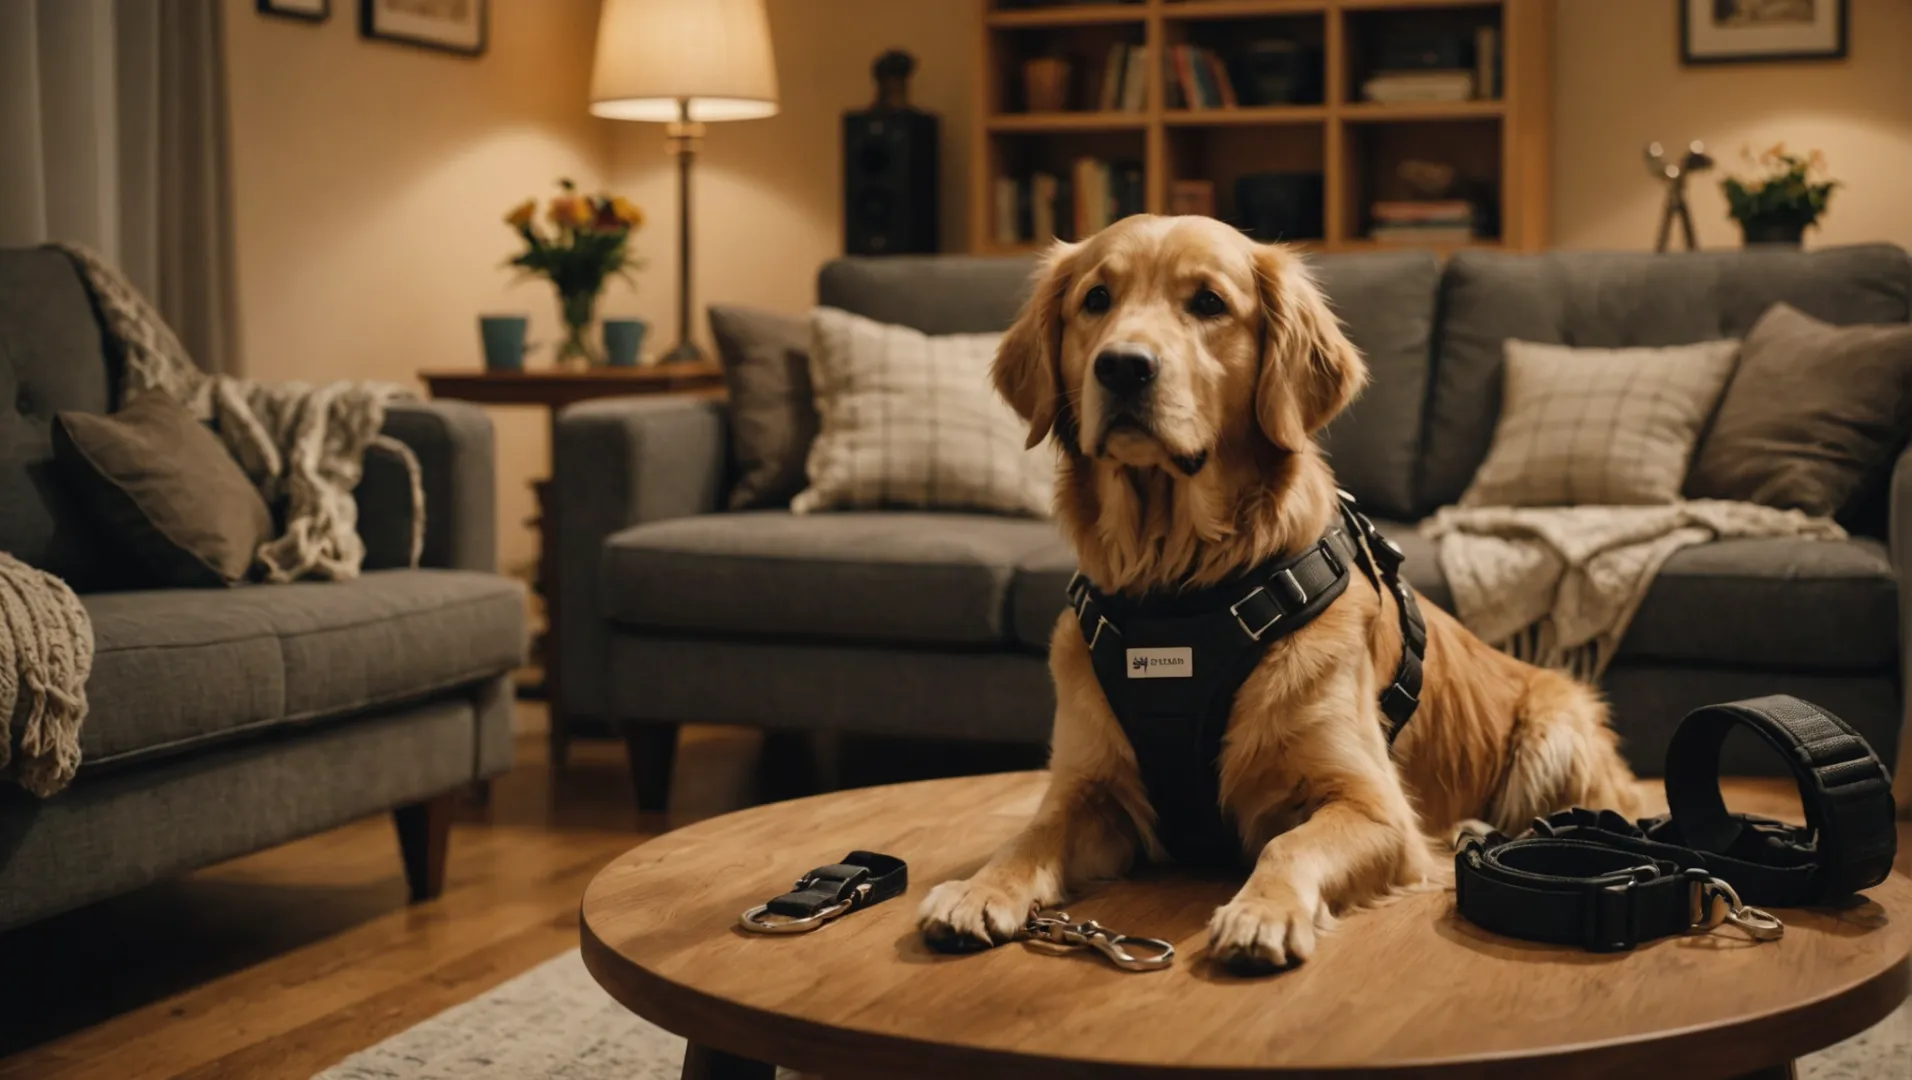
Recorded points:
(556, 387)
(1408, 987)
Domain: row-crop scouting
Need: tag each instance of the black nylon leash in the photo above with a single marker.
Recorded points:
(862, 879)
(1595, 879)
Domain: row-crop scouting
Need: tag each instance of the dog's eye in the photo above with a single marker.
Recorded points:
(1096, 301)
(1207, 304)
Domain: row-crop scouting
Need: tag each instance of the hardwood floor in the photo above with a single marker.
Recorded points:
(281, 963)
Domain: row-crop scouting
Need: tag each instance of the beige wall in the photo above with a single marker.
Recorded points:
(370, 179)
(1619, 85)
(768, 208)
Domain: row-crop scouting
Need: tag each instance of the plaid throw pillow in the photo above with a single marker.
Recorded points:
(1599, 427)
(909, 420)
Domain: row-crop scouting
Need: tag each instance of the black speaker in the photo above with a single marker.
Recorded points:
(889, 182)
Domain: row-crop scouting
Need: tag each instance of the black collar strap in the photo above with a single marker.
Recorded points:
(1558, 880)
(862, 879)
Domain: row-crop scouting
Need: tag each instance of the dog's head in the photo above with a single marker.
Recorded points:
(1162, 341)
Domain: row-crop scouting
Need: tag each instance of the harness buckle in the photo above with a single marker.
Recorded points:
(1253, 633)
(1613, 910)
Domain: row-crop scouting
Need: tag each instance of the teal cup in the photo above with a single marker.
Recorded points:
(504, 341)
(624, 340)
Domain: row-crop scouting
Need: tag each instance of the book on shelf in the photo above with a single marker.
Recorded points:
(1487, 62)
(1201, 79)
(1034, 208)
(1125, 83)
(1396, 87)
(1195, 197)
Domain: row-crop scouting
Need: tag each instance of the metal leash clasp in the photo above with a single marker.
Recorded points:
(759, 920)
(1715, 902)
(1125, 952)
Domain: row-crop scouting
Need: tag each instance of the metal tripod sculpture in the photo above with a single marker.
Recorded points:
(1675, 173)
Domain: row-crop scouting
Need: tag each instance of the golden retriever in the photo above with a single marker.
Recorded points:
(1183, 371)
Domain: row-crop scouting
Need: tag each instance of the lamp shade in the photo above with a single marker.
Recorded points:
(715, 54)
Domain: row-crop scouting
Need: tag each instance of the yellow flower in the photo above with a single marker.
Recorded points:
(569, 212)
(627, 212)
(522, 214)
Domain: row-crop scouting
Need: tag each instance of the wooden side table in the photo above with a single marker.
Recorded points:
(553, 389)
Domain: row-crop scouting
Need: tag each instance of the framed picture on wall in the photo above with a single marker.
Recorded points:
(1758, 31)
(452, 25)
(309, 10)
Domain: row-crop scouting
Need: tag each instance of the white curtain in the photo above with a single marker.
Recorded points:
(113, 135)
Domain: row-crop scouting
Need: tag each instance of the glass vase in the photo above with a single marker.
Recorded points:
(576, 309)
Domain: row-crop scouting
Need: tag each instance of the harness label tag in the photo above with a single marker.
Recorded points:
(1176, 663)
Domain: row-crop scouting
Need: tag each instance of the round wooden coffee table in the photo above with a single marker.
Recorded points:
(1408, 989)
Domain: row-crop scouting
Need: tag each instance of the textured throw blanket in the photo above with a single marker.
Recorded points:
(46, 653)
(302, 446)
(1558, 586)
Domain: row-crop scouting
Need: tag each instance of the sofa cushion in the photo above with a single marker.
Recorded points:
(176, 668)
(1386, 304)
(920, 578)
(52, 358)
(1618, 300)
(1827, 605)
(936, 294)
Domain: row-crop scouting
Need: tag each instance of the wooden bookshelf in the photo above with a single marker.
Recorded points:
(1500, 146)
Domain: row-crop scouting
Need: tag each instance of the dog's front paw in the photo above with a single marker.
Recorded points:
(967, 916)
(1261, 935)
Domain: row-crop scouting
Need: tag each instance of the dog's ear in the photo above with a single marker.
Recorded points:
(1309, 369)
(1028, 367)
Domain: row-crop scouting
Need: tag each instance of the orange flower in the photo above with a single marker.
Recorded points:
(569, 212)
(521, 215)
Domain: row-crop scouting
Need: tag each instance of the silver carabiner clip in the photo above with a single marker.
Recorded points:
(1715, 902)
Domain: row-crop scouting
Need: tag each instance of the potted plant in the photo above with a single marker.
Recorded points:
(588, 242)
(1778, 207)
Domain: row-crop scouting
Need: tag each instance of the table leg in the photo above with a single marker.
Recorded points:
(1788, 1071)
(703, 1063)
(548, 646)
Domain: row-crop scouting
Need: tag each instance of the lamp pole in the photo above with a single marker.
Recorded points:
(680, 138)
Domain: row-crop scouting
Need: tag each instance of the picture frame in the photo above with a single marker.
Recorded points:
(454, 26)
(315, 11)
(1762, 31)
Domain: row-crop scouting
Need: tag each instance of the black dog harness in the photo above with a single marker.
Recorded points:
(1170, 666)
(1595, 879)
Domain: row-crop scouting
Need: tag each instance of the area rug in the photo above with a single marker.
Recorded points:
(555, 1023)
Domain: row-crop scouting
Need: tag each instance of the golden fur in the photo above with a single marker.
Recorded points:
(1221, 475)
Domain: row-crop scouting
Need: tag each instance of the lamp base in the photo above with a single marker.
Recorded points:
(684, 352)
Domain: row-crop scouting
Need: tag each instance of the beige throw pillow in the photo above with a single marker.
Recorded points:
(1612, 427)
(909, 420)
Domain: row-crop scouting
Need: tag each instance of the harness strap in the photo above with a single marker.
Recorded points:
(1403, 696)
(863, 879)
(1594, 878)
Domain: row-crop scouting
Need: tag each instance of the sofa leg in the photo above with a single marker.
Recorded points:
(651, 748)
(424, 836)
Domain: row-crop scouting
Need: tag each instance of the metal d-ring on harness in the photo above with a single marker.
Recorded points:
(1170, 665)
(1595, 879)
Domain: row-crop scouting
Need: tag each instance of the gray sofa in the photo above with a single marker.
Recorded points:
(223, 721)
(936, 624)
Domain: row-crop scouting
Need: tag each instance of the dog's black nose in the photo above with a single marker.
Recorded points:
(1126, 370)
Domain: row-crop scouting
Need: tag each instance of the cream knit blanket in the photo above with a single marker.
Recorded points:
(1558, 586)
(46, 653)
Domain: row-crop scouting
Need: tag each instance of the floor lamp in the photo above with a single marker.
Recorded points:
(683, 63)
